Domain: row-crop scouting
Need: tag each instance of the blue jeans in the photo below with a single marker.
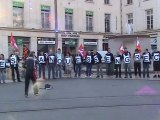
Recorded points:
(88, 69)
(78, 70)
(42, 70)
(145, 69)
(51, 67)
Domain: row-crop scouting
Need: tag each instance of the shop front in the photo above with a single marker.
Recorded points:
(90, 44)
(45, 44)
(70, 42)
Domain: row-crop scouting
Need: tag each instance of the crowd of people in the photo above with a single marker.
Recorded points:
(57, 62)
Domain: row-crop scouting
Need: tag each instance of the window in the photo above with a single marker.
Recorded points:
(130, 18)
(106, 1)
(45, 16)
(68, 19)
(89, 21)
(18, 14)
(129, 1)
(107, 22)
(149, 18)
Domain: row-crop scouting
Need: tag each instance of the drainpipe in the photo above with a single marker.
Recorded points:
(56, 25)
(121, 16)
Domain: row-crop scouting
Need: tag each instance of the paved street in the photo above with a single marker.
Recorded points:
(83, 99)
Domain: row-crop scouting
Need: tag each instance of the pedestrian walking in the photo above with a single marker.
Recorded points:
(31, 74)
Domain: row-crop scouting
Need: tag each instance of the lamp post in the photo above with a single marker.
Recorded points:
(56, 25)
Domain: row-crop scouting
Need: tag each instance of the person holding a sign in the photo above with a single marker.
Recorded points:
(51, 64)
(127, 62)
(68, 60)
(156, 63)
(118, 61)
(137, 63)
(89, 62)
(59, 63)
(109, 60)
(14, 60)
(98, 61)
(2, 68)
(78, 64)
(146, 56)
(42, 64)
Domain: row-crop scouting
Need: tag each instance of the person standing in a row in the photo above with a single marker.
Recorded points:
(14, 60)
(127, 62)
(156, 63)
(137, 63)
(109, 60)
(146, 62)
(68, 60)
(78, 64)
(118, 61)
(51, 64)
(2, 68)
(42, 64)
(98, 63)
(89, 62)
(59, 63)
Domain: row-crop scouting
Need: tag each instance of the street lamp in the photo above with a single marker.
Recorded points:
(56, 25)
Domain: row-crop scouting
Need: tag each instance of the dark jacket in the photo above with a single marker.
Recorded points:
(97, 55)
(29, 64)
(13, 62)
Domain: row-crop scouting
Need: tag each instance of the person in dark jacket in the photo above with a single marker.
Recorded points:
(30, 74)
(98, 63)
(118, 62)
(109, 60)
(146, 56)
(156, 63)
(89, 62)
(14, 60)
(78, 63)
(42, 64)
(137, 63)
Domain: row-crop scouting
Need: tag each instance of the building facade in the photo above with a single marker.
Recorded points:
(87, 22)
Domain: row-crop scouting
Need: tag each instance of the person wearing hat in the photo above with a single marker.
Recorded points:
(127, 62)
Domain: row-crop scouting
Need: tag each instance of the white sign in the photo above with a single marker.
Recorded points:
(2, 63)
(46, 42)
(70, 35)
(90, 43)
